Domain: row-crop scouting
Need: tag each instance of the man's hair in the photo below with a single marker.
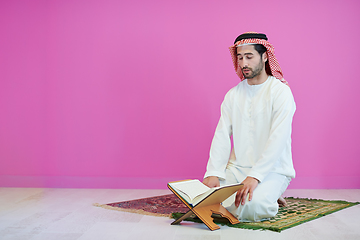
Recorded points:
(260, 49)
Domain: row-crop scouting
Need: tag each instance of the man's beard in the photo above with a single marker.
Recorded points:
(255, 72)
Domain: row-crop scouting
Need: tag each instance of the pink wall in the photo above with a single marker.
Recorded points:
(126, 94)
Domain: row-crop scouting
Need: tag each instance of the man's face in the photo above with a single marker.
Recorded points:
(250, 61)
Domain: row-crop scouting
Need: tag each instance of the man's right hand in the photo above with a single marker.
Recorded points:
(211, 182)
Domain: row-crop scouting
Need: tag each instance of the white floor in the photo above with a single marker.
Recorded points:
(68, 214)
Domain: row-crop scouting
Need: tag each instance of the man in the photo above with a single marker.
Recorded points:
(257, 114)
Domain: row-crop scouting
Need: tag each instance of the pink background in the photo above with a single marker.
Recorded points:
(127, 94)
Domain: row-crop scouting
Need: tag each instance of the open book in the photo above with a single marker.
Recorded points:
(194, 191)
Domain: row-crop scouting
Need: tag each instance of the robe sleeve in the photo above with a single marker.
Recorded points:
(280, 133)
(221, 143)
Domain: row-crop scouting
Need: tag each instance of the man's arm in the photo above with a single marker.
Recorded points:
(250, 184)
(280, 132)
(212, 182)
(279, 136)
(221, 143)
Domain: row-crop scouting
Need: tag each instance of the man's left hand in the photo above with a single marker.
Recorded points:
(250, 184)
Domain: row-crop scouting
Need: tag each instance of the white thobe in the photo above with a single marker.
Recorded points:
(259, 119)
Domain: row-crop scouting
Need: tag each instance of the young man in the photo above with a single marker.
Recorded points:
(258, 114)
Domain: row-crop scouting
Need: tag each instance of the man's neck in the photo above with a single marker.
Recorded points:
(261, 78)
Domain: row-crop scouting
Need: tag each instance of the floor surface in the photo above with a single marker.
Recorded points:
(68, 214)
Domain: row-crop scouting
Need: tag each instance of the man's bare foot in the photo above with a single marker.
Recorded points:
(281, 201)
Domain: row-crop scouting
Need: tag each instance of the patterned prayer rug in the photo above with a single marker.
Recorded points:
(298, 211)
(162, 206)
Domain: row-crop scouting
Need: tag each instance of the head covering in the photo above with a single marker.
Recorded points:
(272, 66)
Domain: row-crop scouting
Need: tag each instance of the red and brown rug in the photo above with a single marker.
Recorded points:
(297, 211)
(162, 206)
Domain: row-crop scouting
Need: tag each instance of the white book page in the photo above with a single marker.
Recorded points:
(192, 188)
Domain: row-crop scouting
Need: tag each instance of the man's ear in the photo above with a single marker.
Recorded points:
(265, 56)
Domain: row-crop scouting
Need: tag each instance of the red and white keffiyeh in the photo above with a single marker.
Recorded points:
(274, 66)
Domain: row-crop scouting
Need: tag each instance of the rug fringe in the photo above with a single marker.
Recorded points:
(138, 211)
(322, 200)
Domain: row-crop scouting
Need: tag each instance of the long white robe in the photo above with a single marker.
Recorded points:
(259, 119)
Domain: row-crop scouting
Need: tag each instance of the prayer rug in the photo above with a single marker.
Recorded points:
(297, 211)
(162, 206)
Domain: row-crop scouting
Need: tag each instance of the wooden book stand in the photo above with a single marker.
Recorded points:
(209, 205)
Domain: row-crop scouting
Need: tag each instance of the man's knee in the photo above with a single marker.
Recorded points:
(258, 209)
